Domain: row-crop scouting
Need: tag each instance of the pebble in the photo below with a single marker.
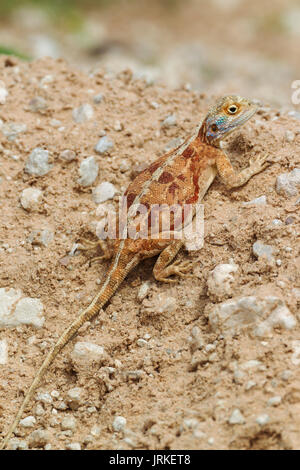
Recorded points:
(103, 192)
(236, 417)
(41, 237)
(31, 199)
(143, 290)
(290, 136)
(3, 93)
(98, 98)
(67, 155)
(37, 163)
(12, 130)
(104, 145)
(28, 422)
(258, 315)
(250, 384)
(16, 310)
(287, 183)
(169, 121)
(96, 430)
(219, 281)
(119, 423)
(83, 113)
(38, 438)
(296, 352)
(276, 222)
(260, 249)
(274, 401)
(17, 444)
(74, 398)
(73, 446)
(165, 304)
(141, 342)
(259, 201)
(88, 171)
(88, 351)
(68, 423)
(3, 352)
(38, 104)
(44, 398)
(262, 419)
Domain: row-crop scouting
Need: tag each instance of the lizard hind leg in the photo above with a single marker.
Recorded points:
(163, 269)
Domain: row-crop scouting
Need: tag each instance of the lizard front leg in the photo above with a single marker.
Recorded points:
(233, 179)
(163, 269)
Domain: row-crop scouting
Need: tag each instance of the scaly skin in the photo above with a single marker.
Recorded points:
(180, 177)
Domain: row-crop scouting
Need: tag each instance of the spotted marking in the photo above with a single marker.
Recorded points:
(165, 177)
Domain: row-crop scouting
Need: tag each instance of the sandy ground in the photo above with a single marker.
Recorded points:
(174, 392)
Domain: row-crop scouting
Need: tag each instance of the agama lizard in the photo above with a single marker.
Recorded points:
(181, 176)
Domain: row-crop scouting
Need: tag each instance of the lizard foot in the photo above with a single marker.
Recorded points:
(178, 268)
(259, 163)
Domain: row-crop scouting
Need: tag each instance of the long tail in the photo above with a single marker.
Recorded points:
(116, 274)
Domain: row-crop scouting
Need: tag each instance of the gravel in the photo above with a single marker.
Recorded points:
(88, 171)
(37, 163)
(31, 199)
(83, 113)
(236, 417)
(287, 183)
(17, 310)
(103, 192)
(119, 423)
(104, 145)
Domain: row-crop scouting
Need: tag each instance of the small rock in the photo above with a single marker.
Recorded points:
(88, 352)
(3, 93)
(259, 315)
(250, 384)
(44, 398)
(119, 423)
(274, 401)
(143, 291)
(103, 192)
(290, 136)
(96, 430)
(141, 342)
(259, 201)
(28, 422)
(74, 398)
(31, 199)
(287, 183)
(38, 104)
(38, 438)
(219, 281)
(98, 98)
(73, 446)
(12, 130)
(169, 121)
(17, 310)
(104, 145)
(262, 419)
(88, 171)
(37, 163)
(83, 113)
(260, 250)
(3, 352)
(296, 352)
(118, 126)
(276, 223)
(236, 417)
(68, 155)
(17, 444)
(68, 423)
(41, 237)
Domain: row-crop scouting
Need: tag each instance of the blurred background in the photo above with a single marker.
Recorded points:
(214, 46)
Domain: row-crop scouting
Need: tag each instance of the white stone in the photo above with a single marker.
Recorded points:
(31, 199)
(236, 417)
(3, 352)
(38, 104)
(104, 145)
(119, 423)
(37, 163)
(98, 98)
(143, 290)
(259, 201)
(262, 419)
(28, 422)
(41, 237)
(68, 423)
(296, 352)
(38, 438)
(74, 399)
(3, 93)
(44, 397)
(219, 281)
(17, 310)
(169, 121)
(12, 130)
(260, 250)
(103, 192)
(274, 401)
(88, 351)
(68, 155)
(73, 446)
(258, 315)
(83, 113)
(289, 135)
(287, 183)
(88, 171)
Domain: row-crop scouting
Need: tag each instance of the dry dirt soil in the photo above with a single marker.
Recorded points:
(175, 393)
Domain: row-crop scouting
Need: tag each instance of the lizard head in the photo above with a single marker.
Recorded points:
(225, 116)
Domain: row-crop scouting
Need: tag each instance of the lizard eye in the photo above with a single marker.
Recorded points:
(232, 109)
